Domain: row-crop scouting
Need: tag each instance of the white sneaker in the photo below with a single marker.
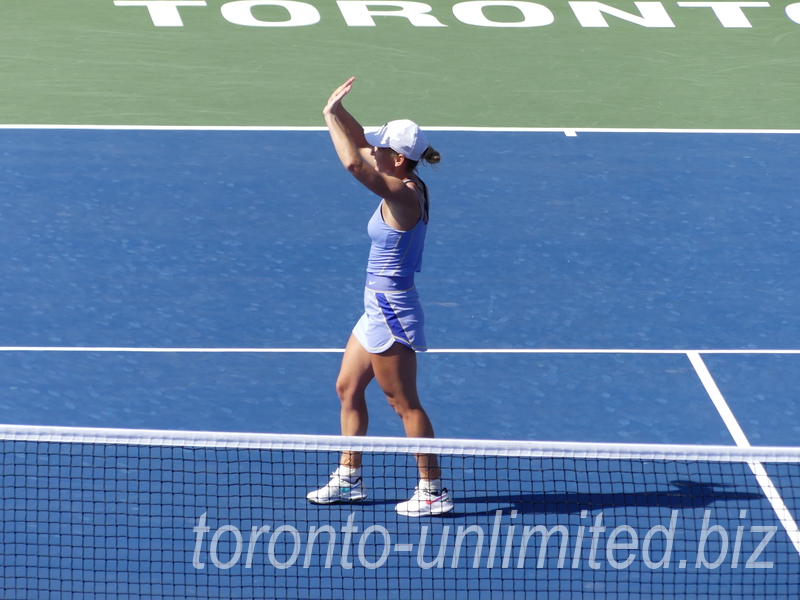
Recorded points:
(424, 503)
(339, 489)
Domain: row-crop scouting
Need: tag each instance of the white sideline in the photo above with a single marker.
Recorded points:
(769, 489)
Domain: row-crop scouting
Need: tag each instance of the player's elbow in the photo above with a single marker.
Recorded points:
(355, 167)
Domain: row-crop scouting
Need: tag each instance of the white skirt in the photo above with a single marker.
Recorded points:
(389, 317)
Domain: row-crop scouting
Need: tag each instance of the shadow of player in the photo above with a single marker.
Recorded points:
(684, 494)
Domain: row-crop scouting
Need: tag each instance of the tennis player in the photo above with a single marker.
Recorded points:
(385, 340)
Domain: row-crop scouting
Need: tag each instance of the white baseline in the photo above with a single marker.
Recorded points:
(568, 131)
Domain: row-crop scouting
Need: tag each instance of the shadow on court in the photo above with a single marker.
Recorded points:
(686, 494)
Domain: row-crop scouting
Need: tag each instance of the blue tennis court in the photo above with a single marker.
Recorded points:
(254, 239)
(206, 280)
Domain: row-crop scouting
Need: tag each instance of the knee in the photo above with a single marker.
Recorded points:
(398, 407)
(348, 391)
(402, 405)
(343, 389)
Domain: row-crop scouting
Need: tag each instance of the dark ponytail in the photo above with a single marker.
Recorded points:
(431, 156)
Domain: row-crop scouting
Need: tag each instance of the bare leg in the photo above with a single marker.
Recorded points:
(355, 375)
(396, 372)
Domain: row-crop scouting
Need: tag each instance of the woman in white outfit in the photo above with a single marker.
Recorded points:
(385, 340)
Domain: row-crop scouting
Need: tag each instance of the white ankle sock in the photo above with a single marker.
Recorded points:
(430, 485)
(349, 473)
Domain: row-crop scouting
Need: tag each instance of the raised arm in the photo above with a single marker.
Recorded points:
(356, 154)
(347, 134)
(348, 122)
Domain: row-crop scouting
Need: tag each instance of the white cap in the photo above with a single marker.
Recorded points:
(402, 136)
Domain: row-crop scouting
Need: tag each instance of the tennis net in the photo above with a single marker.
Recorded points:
(100, 513)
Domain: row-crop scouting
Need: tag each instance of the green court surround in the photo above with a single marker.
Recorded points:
(91, 62)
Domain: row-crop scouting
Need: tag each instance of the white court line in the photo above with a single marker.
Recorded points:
(576, 130)
(608, 351)
(769, 489)
(169, 350)
(569, 131)
(430, 351)
(166, 127)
